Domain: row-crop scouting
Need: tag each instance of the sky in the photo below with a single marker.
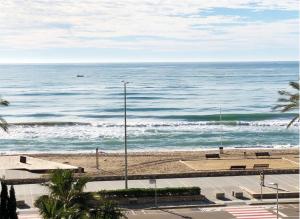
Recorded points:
(58, 31)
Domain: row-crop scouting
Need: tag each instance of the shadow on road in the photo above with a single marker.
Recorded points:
(173, 213)
(279, 189)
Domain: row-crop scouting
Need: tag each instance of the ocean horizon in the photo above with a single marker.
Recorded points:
(170, 106)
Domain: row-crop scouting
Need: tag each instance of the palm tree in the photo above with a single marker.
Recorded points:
(50, 208)
(65, 187)
(3, 123)
(66, 198)
(289, 102)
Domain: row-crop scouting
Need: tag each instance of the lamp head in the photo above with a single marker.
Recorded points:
(273, 184)
(125, 82)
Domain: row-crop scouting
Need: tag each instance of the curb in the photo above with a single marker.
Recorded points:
(274, 202)
(187, 206)
(217, 205)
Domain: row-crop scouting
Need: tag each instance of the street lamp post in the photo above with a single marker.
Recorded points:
(276, 184)
(262, 183)
(125, 134)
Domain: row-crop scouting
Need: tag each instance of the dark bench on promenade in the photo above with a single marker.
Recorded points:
(212, 156)
(220, 195)
(262, 154)
(261, 166)
(238, 195)
(238, 167)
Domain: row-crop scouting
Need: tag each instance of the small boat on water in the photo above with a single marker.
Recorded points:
(80, 76)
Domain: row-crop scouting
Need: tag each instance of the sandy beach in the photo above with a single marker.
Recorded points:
(174, 162)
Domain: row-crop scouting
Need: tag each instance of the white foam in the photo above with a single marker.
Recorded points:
(150, 149)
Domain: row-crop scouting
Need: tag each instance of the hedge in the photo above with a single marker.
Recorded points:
(150, 192)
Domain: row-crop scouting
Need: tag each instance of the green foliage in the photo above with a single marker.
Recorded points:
(65, 187)
(51, 208)
(108, 210)
(289, 102)
(4, 201)
(150, 192)
(12, 204)
(3, 123)
(8, 204)
(67, 200)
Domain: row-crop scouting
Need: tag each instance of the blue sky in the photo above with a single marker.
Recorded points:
(144, 30)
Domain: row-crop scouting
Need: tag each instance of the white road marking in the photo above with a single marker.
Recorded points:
(256, 217)
(249, 212)
(282, 214)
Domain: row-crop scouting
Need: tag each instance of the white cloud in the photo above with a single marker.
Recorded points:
(161, 24)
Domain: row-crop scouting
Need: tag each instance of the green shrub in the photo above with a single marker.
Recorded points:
(150, 192)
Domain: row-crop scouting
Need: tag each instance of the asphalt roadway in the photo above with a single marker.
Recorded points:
(286, 211)
(240, 212)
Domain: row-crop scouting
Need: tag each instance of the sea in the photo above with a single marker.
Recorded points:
(76, 108)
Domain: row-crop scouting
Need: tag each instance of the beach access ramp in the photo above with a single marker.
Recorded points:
(31, 164)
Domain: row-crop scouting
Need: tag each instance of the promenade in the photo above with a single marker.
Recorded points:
(209, 186)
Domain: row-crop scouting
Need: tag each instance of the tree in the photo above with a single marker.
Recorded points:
(67, 200)
(3, 123)
(289, 101)
(12, 204)
(3, 201)
(55, 209)
(108, 210)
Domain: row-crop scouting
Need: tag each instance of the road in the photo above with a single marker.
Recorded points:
(286, 211)
(238, 212)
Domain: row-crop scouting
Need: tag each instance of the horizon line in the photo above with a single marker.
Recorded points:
(141, 62)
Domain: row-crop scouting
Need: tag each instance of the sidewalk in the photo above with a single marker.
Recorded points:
(209, 186)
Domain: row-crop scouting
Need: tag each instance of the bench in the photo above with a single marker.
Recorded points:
(23, 159)
(262, 154)
(237, 167)
(261, 166)
(212, 156)
(238, 195)
(21, 204)
(220, 195)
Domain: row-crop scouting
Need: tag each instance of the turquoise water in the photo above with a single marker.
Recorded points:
(171, 106)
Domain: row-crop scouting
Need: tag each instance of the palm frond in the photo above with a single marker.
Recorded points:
(49, 207)
(4, 102)
(285, 93)
(294, 84)
(289, 107)
(293, 120)
(295, 97)
(67, 199)
(80, 183)
(289, 101)
(3, 124)
(284, 100)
